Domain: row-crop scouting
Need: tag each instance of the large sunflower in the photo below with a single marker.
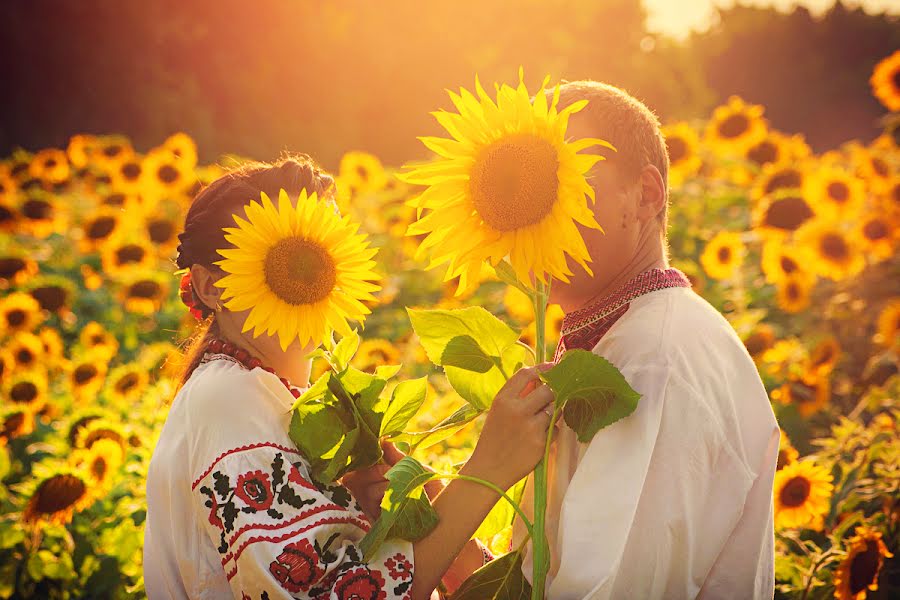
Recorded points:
(19, 312)
(835, 193)
(802, 493)
(833, 253)
(27, 389)
(302, 270)
(27, 350)
(507, 184)
(723, 256)
(885, 81)
(859, 571)
(782, 261)
(55, 493)
(878, 234)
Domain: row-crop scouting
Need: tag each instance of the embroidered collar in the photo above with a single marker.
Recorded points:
(646, 282)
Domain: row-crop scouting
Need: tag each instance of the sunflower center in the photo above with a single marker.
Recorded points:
(838, 191)
(724, 254)
(131, 171)
(10, 267)
(880, 167)
(782, 460)
(24, 357)
(116, 199)
(788, 213)
(23, 392)
(802, 393)
(15, 317)
(58, 493)
(50, 297)
(299, 271)
(129, 253)
(12, 425)
(78, 426)
(36, 210)
(102, 434)
(875, 230)
(6, 214)
(783, 180)
(84, 373)
(763, 153)
(864, 568)
(127, 382)
(98, 468)
(514, 182)
(756, 343)
(834, 247)
(788, 265)
(795, 492)
(112, 150)
(168, 174)
(677, 149)
(734, 125)
(161, 230)
(145, 289)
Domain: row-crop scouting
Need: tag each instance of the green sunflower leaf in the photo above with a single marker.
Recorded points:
(405, 402)
(591, 391)
(405, 510)
(500, 579)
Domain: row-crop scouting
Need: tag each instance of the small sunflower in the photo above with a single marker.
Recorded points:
(301, 270)
(781, 214)
(8, 187)
(777, 149)
(101, 462)
(877, 235)
(143, 292)
(833, 253)
(97, 227)
(51, 165)
(779, 178)
(9, 214)
(126, 253)
(507, 184)
(858, 572)
(128, 176)
(723, 256)
(95, 430)
(15, 421)
(53, 293)
(782, 261)
(809, 392)
(42, 215)
(835, 193)
(55, 494)
(167, 174)
(787, 454)
(26, 350)
(682, 146)
(802, 493)
(86, 375)
(889, 325)
(824, 357)
(735, 126)
(81, 150)
(760, 339)
(27, 389)
(375, 352)
(111, 150)
(19, 312)
(126, 382)
(162, 231)
(54, 349)
(183, 148)
(16, 268)
(874, 169)
(362, 172)
(885, 81)
(95, 336)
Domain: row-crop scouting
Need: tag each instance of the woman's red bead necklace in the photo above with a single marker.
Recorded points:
(217, 346)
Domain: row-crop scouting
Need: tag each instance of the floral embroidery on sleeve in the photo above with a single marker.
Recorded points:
(276, 528)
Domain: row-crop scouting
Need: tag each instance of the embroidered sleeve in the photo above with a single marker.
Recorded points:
(279, 535)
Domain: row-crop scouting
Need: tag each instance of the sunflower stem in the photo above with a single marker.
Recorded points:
(541, 549)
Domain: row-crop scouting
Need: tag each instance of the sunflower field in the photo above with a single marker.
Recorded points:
(796, 249)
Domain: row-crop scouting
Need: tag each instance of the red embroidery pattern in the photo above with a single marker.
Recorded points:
(585, 327)
(241, 449)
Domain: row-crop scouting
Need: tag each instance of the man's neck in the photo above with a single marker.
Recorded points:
(649, 256)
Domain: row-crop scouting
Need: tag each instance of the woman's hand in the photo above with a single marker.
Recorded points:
(368, 486)
(515, 432)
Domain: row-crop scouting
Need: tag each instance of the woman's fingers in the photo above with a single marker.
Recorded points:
(539, 399)
(391, 454)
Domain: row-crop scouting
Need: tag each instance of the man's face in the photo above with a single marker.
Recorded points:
(615, 210)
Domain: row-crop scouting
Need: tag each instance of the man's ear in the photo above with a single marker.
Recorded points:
(202, 281)
(653, 194)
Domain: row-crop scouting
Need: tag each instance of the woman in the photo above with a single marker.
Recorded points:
(232, 509)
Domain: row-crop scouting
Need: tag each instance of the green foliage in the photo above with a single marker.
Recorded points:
(500, 579)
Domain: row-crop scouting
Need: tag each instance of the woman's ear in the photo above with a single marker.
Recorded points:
(202, 281)
(653, 194)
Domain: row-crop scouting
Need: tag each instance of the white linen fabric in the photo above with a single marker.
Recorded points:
(232, 510)
(675, 500)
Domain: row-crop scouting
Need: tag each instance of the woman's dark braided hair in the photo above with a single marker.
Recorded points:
(213, 209)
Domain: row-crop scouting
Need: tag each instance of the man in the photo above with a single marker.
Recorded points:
(675, 500)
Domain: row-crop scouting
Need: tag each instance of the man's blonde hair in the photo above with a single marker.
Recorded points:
(626, 123)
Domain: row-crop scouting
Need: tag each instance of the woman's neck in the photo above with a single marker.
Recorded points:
(291, 364)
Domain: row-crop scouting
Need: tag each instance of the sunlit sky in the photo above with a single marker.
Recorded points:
(678, 17)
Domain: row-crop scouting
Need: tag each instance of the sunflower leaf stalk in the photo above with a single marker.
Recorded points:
(541, 557)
